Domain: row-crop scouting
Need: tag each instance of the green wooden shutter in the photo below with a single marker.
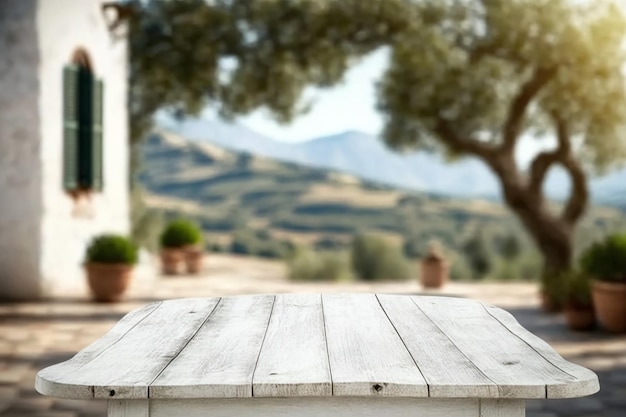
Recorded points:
(85, 148)
(96, 138)
(70, 127)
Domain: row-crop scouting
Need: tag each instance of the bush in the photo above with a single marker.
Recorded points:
(179, 233)
(373, 259)
(478, 256)
(413, 248)
(307, 265)
(112, 249)
(577, 289)
(260, 243)
(606, 260)
(327, 243)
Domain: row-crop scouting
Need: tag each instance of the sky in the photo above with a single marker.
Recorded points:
(349, 106)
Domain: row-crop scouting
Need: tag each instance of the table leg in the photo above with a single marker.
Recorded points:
(128, 408)
(502, 408)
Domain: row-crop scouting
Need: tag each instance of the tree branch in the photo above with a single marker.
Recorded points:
(517, 112)
(463, 145)
(579, 195)
(545, 160)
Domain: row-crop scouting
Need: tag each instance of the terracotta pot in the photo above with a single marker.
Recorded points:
(193, 259)
(579, 318)
(108, 282)
(171, 260)
(433, 273)
(609, 301)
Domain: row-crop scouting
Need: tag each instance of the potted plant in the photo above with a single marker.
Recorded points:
(181, 244)
(577, 302)
(109, 264)
(605, 263)
(433, 268)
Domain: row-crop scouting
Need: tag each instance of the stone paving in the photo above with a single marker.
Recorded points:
(36, 335)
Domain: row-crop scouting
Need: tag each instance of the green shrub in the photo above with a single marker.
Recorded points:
(307, 265)
(478, 256)
(577, 289)
(373, 259)
(112, 249)
(606, 260)
(328, 243)
(179, 233)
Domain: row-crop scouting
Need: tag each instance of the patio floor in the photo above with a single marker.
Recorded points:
(36, 335)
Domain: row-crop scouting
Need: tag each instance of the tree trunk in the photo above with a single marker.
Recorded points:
(552, 235)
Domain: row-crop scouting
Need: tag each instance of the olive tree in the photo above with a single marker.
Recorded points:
(466, 78)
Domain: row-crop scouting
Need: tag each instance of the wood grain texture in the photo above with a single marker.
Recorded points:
(502, 408)
(307, 346)
(59, 381)
(367, 357)
(294, 360)
(503, 357)
(316, 407)
(126, 368)
(128, 408)
(586, 382)
(220, 360)
(448, 372)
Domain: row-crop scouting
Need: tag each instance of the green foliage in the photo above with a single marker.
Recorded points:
(327, 243)
(577, 289)
(416, 218)
(465, 77)
(373, 259)
(554, 286)
(307, 265)
(478, 256)
(260, 243)
(509, 247)
(112, 249)
(179, 233)
(606, 260)
(413, 248)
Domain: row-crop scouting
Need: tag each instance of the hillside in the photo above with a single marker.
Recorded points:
(232, 193)
(366, 156)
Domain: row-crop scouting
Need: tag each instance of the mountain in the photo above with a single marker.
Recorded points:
(261, 206)
(367, 157)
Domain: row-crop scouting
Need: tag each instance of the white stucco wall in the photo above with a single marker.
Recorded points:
(20, 170)
(63, 26)
(43, 234)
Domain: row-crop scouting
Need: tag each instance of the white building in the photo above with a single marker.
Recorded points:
(63, 173)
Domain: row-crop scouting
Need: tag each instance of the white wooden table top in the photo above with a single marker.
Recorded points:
(317, 345)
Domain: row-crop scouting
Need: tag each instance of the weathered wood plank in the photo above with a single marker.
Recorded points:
(57, 380)
(126, 368)
(294, 360)
(448, 372)
(316, 407)
(128, 408)
(586, 382)
(367, 357)
(502, 408)
(505, 359)
(220, 360)
(342, 345)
